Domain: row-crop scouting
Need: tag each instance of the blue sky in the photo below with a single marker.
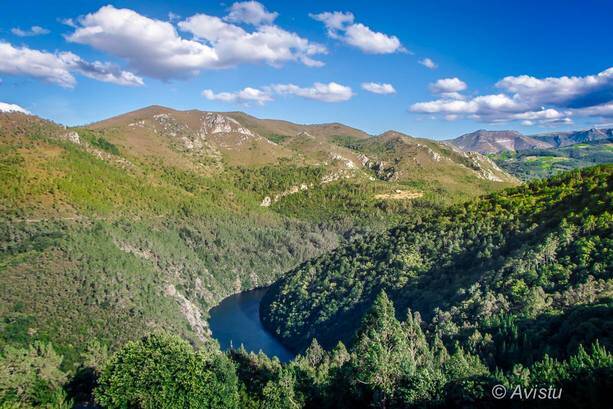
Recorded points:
(525, 65)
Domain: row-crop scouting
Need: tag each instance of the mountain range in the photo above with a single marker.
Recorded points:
(487, 142)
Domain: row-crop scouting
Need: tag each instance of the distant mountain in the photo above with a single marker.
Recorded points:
(561, 139)
(487, 142)
(484, 141)
(237, 139)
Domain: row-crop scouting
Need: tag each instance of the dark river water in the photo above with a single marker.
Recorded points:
(236, 321)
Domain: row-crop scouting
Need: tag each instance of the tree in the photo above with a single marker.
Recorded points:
(32, 376)
(163, 371)
(381, 354)
(280, 394)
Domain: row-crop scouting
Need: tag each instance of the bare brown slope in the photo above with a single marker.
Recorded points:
(484, 141)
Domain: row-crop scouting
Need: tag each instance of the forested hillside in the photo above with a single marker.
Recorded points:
(514, 275)
(101, 247)
(542, 163)
(391, 364)
(146, 220)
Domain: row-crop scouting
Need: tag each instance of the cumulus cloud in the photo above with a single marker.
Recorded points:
(5, 107)
(477, 106)
(154, 48)
(378, 88)
(233, 45)
(573, 92)
(527, 99)
(103, 71)
(244, 96)
(330, 92)
(58, 68)
(151, 47)
(427, 62)
(448, 85)
(341, 26)
(250, 12)
(33, 31)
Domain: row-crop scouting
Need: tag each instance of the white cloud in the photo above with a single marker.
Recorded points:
(448, 85)
(427, 62)
(103, 71)
(244, 96)
(482, 106)
(233, 45)
(334, 20)
(565, 91)
(151, 47)
(33, 31)
(330, 92)
(603, 110)
(250, 12)
(5, 107)
(341, 26)
(172, 17)
(57, 68)
(211, 28)
(154, 48)
(527, 99)
(378, 88)
(38, 64)
(492, 108)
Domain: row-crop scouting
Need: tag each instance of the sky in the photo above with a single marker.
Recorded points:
(434, 69)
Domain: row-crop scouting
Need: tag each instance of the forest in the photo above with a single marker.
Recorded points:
(512, 289)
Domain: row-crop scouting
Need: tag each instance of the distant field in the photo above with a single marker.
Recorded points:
(542, 163)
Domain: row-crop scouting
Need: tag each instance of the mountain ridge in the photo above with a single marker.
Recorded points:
(488, 142)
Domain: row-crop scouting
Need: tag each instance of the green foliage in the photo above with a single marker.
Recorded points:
(97, 140)
(392, 364)
(163, 371)
(540, 163)
(541, 248)
(32, 377)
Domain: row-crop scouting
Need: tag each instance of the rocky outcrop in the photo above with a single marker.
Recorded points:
(192, 313)
(71, 136)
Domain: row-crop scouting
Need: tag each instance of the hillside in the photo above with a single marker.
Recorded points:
(542, 163)
(536, 257)
(146, 220)
(562, 139)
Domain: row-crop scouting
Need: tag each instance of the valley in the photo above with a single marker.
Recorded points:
(139, 224)
(146, 220)
(306, 205)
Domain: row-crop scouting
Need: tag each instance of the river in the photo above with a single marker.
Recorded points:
(236, 321)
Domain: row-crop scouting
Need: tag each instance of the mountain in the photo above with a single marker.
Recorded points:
(488, 142)
(145, 220)
(562, 139)
(537, 256)
(116, 235)
(484, 141)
